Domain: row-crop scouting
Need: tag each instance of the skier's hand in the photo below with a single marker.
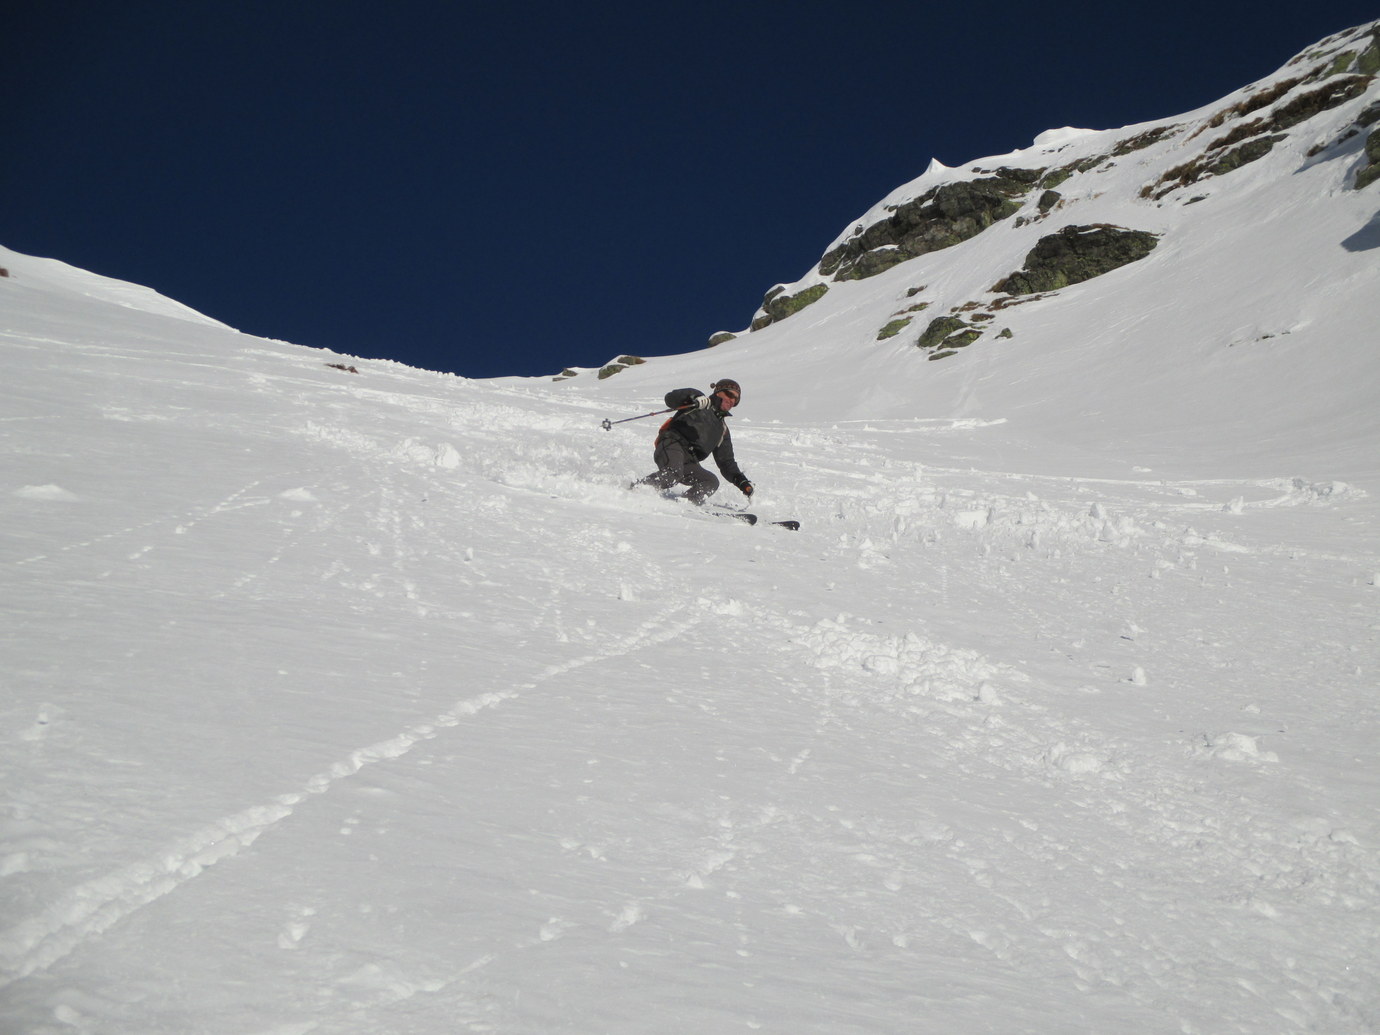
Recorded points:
(700, 402)
(747, 489)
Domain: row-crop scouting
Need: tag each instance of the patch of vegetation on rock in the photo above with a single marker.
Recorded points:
(1076, 254)
(1008, 301)
(894, 328)
(1341, 63)
(721, 338)
(1261, 134)
(1142, 140)
(1370, 173)
(1261, 99)
(1326, 97)
(940, 218)
(1214, 163)
(1368, 61)
(948, 332)
(777, 305)
(1052, 179)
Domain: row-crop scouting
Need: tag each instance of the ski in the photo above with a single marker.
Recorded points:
(752, 519)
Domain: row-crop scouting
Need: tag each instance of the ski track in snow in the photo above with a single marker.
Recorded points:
(91, 908)
(976, 717)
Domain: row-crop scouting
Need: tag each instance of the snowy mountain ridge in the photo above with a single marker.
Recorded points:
(1334, 72)
(1261, 273)
(342, 697)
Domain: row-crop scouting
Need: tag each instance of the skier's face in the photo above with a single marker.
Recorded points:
(726, 400)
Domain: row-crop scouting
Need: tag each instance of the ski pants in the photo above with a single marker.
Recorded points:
(675, 466)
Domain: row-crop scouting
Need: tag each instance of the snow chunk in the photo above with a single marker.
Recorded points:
(447, 456)
(1235, 747)
(973, 519)
(51, 493)
(1071, 760)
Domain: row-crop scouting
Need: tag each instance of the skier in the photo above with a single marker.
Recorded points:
(697, 431)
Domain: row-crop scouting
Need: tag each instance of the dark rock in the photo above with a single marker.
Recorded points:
(940, 218)
(1305, 106)
(948, 332)
(1076, 254)
(1251, 151)
(721, 338)
(1368, 61)
(1370, 173)
(777, 305)
(619, 364)
(894, 328)
(1142, 140)
(939, 329)
(1058, 176)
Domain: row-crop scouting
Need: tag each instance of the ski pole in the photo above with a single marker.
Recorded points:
(608, 424)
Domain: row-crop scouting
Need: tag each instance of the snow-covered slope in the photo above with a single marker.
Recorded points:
(373, 702)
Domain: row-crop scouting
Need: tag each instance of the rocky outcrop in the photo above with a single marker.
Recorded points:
(894, 328)
(948, 332)
(778, 305)
(940, 218)
(619, 364)
(1368, 61)
(1076, 254)
(1253, 139)
(1371, 172)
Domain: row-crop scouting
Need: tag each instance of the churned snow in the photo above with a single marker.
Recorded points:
(375, 702)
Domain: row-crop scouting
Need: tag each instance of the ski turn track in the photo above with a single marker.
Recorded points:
(84, 912)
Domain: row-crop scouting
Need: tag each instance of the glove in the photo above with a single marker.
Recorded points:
(700, 402)
(746, 489)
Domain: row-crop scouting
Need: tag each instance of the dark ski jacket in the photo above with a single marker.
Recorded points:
(704, 433)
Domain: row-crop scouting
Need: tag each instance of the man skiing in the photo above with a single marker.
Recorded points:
(697, 431)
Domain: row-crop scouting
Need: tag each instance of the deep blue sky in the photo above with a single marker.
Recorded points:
(508, 189)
